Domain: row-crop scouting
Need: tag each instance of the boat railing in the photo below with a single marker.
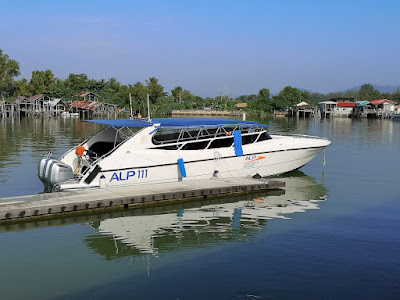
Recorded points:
(184, 135)
(295, 135)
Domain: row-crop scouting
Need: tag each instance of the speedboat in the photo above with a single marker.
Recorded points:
(144, 151)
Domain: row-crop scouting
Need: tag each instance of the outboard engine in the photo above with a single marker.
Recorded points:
(52, 171)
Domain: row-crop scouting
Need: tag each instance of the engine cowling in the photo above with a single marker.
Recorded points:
(52, 171)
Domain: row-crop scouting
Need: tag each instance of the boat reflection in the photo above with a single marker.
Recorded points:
(205, 222)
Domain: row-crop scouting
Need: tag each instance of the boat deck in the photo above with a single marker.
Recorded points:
(88, 200)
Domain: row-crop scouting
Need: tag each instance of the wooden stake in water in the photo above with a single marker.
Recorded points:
(323, 159)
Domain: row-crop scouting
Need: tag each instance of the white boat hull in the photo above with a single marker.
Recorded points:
(144, 169)
(142, 159)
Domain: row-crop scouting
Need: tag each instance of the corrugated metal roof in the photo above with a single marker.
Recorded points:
(346, 104)
(381, 101)
(33, 98)
(88, 105)
(84, 94)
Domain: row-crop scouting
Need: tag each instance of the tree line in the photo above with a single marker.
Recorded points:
(112, 91)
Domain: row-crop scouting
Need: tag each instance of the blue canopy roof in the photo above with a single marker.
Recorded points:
(177, 122)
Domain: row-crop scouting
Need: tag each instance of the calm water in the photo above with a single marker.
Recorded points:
(333, 233)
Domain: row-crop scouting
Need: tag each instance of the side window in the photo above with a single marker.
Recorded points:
(249, 139)
(264, 136)
(165, 138)
(195, 146)
(169, 147)
(220, 143)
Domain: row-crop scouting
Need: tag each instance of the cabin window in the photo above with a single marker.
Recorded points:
(195, 146)
(162, 137)
(264, 136)
(169, 147)
(249, 139)
(221, 143)
(167, 136)
(197, 139)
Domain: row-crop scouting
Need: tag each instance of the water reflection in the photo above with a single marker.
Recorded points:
(202, 223)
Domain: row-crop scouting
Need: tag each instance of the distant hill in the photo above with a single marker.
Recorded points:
(382, 88)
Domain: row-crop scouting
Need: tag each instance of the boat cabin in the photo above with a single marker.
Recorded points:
(172, 135)
(205, 138)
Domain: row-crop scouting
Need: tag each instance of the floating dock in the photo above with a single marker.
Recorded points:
(86, 200)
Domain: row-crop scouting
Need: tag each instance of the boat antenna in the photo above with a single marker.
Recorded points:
(148, 108)
(130, 101)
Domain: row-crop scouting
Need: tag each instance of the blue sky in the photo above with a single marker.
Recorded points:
(209, 47)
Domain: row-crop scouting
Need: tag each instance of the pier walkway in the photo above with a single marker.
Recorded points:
(41, 205)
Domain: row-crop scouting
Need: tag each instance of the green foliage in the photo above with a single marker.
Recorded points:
(264, 102)
(165, 106)
(289, 97)
(352, 94)
(383, 96)
(177, 94)
(139, 96)
(42, 82)
(335, 95)
(23, 88)
(9, 69)
(77, 82)
(368, 92)
(305, 96)
(187, 95)
(186, 98)
(246, 98)
(264, 94)
(221, 103)
(155, 89)
(261, 102)
(396, 95)
(317, 97)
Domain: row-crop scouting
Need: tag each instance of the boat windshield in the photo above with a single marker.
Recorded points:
(110, 138)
